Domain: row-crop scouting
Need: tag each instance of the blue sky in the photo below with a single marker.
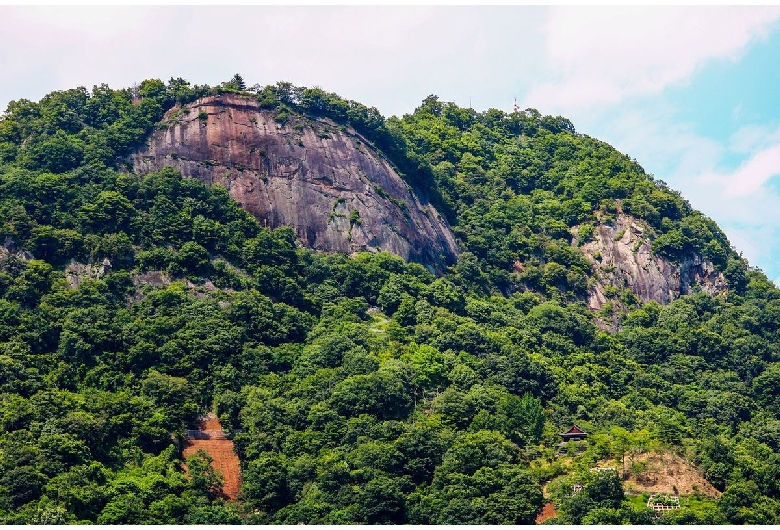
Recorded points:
(690, 92)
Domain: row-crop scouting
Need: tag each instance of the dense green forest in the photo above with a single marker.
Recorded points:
(362, 389)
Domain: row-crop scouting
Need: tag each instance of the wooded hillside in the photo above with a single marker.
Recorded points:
(363, 389)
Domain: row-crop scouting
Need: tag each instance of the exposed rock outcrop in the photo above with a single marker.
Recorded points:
(324, 180)
(622, 258)
(10, 249)
(76, 273)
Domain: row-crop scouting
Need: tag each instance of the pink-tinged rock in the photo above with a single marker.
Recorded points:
(312, 175)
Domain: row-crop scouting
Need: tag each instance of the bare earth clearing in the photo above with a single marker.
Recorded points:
(655, 473)
(220, 449)
(548, 512)
(667, 473)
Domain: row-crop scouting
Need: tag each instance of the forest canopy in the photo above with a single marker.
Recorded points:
(362, 389)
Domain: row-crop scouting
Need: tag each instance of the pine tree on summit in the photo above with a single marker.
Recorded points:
(237, 82)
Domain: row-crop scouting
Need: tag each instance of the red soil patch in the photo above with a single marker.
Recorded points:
(548, 512)
(220, 449)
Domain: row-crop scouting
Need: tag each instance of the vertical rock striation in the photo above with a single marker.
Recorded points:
(622, 258)
(324, 180)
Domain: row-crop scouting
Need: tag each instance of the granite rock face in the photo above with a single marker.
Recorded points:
(621, 257)
(76, 273)
(322, 179)
(10, 250)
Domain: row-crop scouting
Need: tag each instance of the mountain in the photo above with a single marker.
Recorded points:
(391, 320)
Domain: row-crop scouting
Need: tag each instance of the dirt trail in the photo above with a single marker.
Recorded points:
(212, 439)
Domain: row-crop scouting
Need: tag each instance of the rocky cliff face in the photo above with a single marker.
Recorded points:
(621, 258)
(324, 180)
(11, 249)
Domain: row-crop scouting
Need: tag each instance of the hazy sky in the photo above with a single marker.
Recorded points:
(693, 93)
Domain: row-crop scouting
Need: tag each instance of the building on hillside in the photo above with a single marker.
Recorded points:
(575, 434)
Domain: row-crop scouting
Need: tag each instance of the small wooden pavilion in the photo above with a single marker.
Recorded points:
(575, 434)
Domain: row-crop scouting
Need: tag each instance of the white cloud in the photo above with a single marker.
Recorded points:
(601, 56)
(752, 223)
(662, 145)
(750, 176)
(754, 136)
(742, 204)
(390, 57)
